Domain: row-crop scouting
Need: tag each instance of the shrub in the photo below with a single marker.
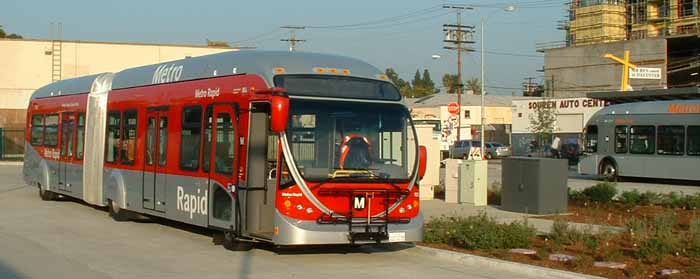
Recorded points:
(661, 240)
(693, 239)
(630, 197)
(576, 195)
(655, 248)
(562, 233)
(691, 201)
(479, 232)
(603, 192)
(651, 198)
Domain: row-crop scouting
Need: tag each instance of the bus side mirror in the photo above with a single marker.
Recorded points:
(279, 113)
(422, 161)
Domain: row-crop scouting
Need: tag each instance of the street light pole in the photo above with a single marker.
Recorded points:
(510, 8)
(483, 84)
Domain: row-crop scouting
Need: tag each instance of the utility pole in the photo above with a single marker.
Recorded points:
(293, 36)
(457, 35)
(528, 86)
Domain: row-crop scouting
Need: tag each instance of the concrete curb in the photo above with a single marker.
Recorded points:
(11, 163)
(530, 270)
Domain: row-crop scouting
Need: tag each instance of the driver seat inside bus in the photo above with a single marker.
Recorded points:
(355, 152)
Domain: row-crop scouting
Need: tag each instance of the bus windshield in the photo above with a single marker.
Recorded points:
(352, 141)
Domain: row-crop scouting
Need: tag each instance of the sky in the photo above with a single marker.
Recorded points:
(403, 35)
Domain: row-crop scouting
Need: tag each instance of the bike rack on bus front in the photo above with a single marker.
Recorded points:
(381, 223)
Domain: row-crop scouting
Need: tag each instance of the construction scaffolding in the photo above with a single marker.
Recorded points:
(601, 21)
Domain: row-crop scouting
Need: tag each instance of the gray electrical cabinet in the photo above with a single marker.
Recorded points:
(534, 185)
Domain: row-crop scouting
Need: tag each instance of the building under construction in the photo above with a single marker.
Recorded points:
(600, 21)
(661, 35)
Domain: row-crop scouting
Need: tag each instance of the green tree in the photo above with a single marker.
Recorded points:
(422, 85)
(543, 120)
(427, 81)
(404, 87)
(10, 36)
(474, 84)
(451, 83)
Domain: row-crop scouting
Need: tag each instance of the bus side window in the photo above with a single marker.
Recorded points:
(37, 130)
(113, 136)
(51, 130)
(671, 140)
(642, 139)
(190, 137)
(81, 137)
(621, 139)
(128, 155)
(591, 139)
(694, 140)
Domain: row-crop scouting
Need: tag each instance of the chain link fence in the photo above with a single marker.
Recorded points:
(11, 144)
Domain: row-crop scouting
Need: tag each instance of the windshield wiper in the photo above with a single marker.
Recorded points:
(353, 173)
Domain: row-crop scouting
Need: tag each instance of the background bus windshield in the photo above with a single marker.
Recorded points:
(351, 141)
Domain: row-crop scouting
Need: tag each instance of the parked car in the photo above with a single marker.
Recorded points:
(462, 148)
(497, 150)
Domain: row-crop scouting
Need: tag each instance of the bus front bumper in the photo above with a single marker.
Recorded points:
(296, 232)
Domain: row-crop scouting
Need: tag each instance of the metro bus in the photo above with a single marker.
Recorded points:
(283, 147)
(656, 139)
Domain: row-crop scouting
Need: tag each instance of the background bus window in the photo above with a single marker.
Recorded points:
(620, 139)
(129, 138)
(81, 137)
(191, 137)
(642, 140)
(37, 130)
(51, 130)
(113, 136)
(694, 140)
(671, 140)
(591, 139)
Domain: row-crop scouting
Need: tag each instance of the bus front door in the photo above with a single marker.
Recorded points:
(261, 178)
(154, 179)
(66, 153)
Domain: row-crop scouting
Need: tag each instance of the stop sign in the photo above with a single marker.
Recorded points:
(453, 108)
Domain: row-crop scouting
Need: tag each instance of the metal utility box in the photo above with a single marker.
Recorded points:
(534, 185)
(473, 175)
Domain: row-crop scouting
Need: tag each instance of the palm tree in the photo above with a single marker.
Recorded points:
(474, 84)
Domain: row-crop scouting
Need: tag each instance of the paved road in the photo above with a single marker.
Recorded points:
(67, 239)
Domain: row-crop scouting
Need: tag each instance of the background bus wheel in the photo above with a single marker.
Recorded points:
(489, 156)
(609, 171)
(233, 244)
(118, 214)
(46, 195)
(465, 157)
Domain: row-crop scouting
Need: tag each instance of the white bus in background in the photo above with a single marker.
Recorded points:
(659, 139)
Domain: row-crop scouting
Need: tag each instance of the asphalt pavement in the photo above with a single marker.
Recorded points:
(69, 239)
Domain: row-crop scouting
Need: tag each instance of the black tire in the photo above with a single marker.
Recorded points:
(118, 214)
(233, 244)
(609, 171)
(46, 194)
(465, 157)
(489, 156)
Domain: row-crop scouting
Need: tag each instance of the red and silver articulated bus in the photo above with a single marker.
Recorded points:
(283, 147)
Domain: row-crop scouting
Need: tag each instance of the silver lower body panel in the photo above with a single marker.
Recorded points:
(297, 232)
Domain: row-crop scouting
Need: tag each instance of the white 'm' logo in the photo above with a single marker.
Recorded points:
(359, 202)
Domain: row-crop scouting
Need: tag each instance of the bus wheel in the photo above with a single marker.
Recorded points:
(489, 156)
(465, 157)
(46, 194)
(118, 214)
(233, 244)
(608, 171)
